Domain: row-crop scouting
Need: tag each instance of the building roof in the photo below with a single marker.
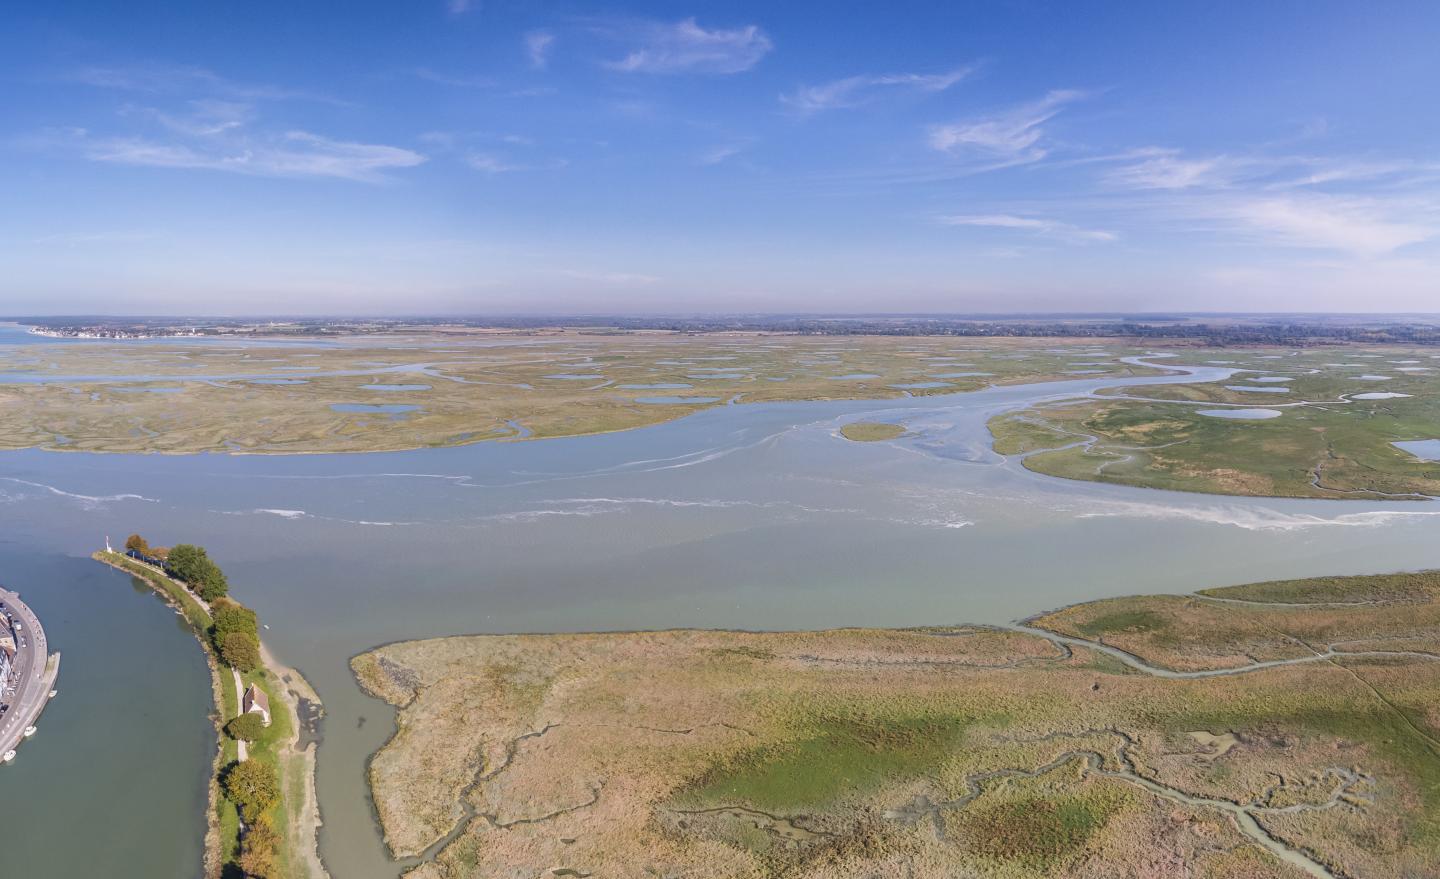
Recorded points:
(255, 698)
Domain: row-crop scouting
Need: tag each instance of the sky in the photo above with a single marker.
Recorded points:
(480, 156)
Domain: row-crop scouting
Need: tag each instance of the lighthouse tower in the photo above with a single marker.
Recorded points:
(107, 544)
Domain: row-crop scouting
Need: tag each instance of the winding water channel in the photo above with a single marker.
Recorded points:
(744, 516)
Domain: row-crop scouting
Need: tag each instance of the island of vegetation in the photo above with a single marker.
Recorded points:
(871, 431)
(262, 817)
(1328, 423)
(1271, 731)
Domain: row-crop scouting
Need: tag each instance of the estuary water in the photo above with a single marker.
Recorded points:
(745, 516)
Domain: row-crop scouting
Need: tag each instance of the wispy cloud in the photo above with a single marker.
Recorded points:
(537, 48)
(686, 47)
(460, 7)
(293, 154)
(1363, 208)
(194, 118)
(1364, 227)
(1167, 169)
(158, 78)
(493, 163)
(1013, 136)
(1036, 225)
(202, 118)
(723, 152)
(853, 91)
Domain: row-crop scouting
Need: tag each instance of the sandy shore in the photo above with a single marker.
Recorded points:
(304, 841)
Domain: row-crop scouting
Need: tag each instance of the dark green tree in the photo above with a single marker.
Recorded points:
(240, 651)
(247, 727)
(203, 576)
(230, 616)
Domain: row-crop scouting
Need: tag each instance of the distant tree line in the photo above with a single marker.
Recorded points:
(1220, 330)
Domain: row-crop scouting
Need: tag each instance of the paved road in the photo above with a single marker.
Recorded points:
(32, 685)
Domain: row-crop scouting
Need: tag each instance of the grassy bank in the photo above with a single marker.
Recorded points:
(274, 746)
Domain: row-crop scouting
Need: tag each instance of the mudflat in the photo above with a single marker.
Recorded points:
(384, 393)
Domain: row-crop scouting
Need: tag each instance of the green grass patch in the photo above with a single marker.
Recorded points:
(1407, 586)
(1124, 621)
(836, 756)
(871, 431)
(1038, 833)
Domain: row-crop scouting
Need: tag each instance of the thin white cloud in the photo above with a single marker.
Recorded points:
(293, 154)
(460, 7)
(493, 163)
(1013, 136)
(1363, 208)
(1362, 227)
(1167, 169)
(853, 91)
(203, 118)
(721, 153)
(1036, 225)
(537, 48)
(159, 78)
(686, 47)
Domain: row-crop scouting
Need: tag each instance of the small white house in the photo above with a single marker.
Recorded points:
(257, 702)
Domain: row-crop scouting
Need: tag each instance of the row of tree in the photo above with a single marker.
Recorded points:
(253, 786)
(185, 562)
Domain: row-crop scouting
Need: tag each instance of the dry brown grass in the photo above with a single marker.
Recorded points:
(864, 752)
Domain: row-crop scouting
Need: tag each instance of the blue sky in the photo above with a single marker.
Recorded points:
(481, 156)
